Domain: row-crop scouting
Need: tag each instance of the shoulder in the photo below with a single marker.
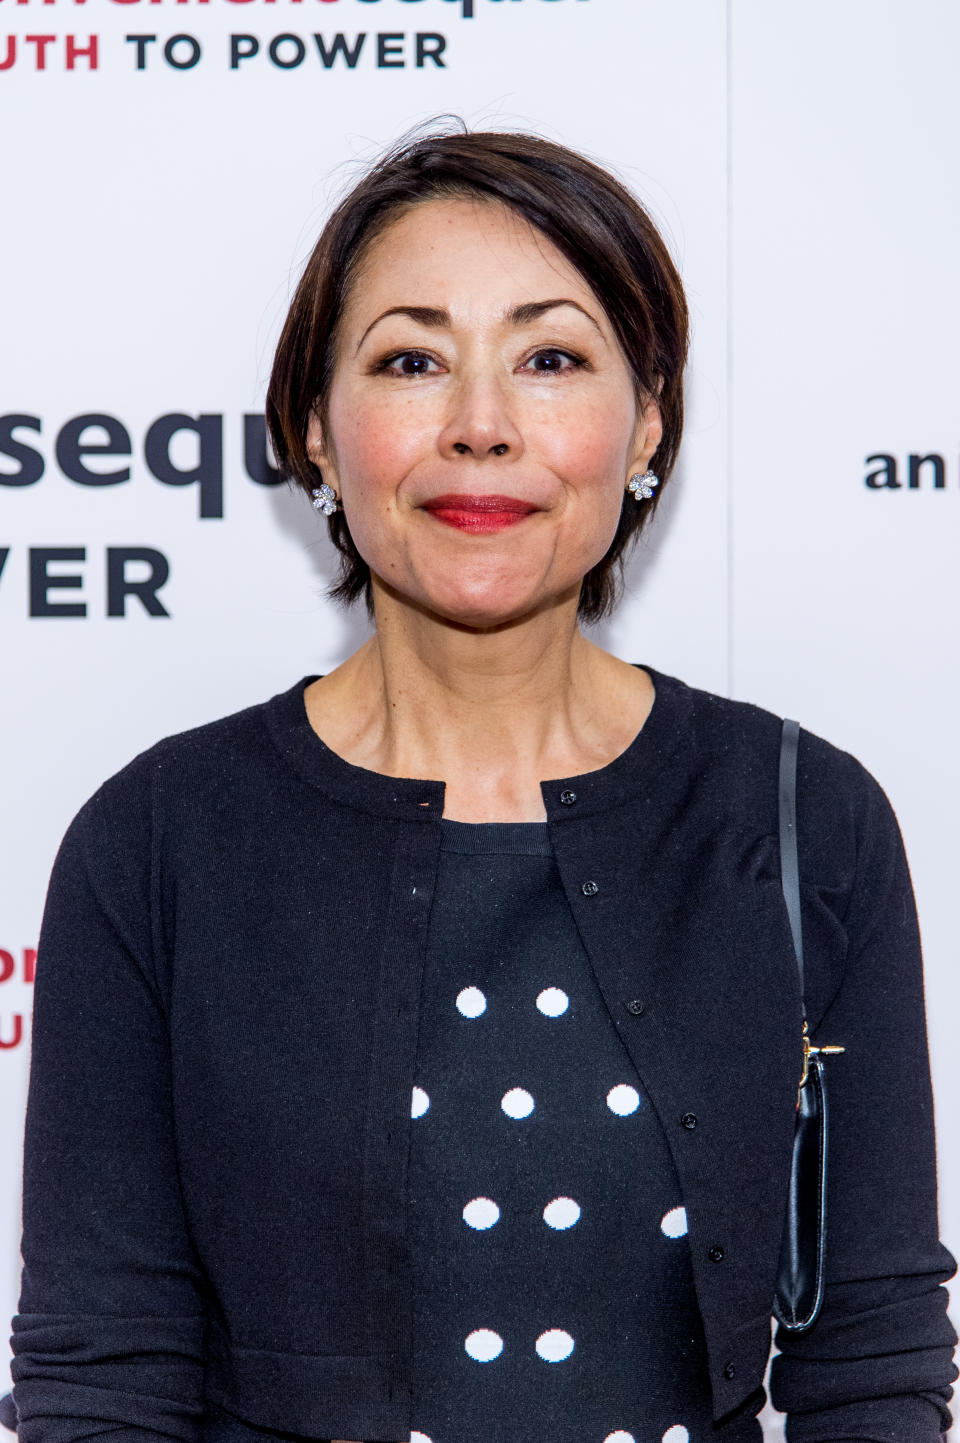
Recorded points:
(843, 813)
(738, 738)
(152, 827)
(853, 866)
(191, 770)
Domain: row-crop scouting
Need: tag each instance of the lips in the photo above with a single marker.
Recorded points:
(479, 513)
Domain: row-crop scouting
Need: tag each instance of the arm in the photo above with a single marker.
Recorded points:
(109, 1334)
(877, 1364)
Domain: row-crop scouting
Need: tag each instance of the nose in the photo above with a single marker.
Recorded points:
(481, 421)
(464, 449)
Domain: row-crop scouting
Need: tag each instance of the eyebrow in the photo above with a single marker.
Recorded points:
(439, 319)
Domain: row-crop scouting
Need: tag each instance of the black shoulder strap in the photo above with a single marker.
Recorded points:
(789, 864)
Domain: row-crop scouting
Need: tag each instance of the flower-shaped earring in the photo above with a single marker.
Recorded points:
(642, 485)
(325, 498)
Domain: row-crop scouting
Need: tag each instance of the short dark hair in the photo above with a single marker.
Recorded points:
(593, 219)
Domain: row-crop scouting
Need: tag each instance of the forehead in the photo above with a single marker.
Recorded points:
(467, 254)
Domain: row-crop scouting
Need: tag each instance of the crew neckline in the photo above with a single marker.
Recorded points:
(512, 839)
(421, 799)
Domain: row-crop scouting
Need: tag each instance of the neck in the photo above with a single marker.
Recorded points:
(490, 712)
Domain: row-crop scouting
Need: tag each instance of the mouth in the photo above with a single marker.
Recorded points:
(479, 513)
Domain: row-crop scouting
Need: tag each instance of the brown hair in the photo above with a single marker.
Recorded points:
(588, 215)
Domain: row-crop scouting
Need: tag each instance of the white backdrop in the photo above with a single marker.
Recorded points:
(802, 160)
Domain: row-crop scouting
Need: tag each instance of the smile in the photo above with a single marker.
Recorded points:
(479, 513)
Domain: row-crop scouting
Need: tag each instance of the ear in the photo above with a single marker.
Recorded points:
(648, 434)
(316, 444)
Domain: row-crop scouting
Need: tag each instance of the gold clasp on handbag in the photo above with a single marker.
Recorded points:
(809, 1051)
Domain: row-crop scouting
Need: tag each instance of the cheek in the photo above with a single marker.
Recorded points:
(587, 444)
(376, 446)
(588, 451)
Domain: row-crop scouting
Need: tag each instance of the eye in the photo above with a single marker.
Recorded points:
(405, 363)
(550, 361)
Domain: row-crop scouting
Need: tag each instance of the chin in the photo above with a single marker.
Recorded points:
(482, 596)
(486, 607)
(482, 619)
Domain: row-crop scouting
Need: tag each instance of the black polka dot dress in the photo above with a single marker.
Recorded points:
(553, 1292)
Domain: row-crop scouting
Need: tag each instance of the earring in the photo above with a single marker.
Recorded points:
(642, 485)
(325, 498)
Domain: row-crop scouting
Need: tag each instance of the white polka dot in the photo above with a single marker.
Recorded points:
(517, 1102)
(481, 1213)
(553, 1002)
(484, 1345)
(621, 1436)
(471, 1002)
(554, 1346)
(420, 1102)
(562, 1213)
(674, 1224)
(676, 1434)
(422, 1438)
(623, 1099)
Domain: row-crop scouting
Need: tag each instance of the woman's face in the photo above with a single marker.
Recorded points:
(482, 418)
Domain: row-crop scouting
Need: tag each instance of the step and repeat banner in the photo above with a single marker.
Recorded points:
(166, 169)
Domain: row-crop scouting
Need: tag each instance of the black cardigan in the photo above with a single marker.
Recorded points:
(223, 1047)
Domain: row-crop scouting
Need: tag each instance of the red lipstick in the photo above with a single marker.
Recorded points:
(479, 513)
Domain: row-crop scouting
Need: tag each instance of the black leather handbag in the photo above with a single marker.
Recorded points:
(799, 1292)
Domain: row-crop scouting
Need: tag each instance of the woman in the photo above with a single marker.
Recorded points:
(486, 866)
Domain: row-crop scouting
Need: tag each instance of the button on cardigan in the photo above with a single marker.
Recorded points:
(224, 1042)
